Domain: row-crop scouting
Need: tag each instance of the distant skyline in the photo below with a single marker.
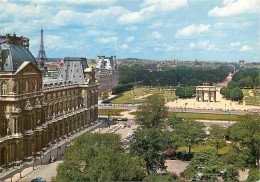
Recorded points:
(214, 30)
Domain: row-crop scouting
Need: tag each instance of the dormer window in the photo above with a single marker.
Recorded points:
(4, 88)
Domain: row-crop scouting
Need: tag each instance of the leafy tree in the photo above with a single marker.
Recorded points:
(232, 84)
(190, 91)
(185, 92)
(217, 136)
(223, 90)
(187, 132)
(257, 81)
(97, 157)
(242, 83)
(236, 94)
(227, 94)
(148, 145)
(105, 95)
(231, 174)
(205, 165)
(246, 135)
(235, 158)
(152, 113)
(254, 175)
(158, 178)
(250, 82)
(194, 82)
(171, 76)
(109, 165)
(180, 92)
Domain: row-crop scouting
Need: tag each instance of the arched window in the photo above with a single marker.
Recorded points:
(35, 85)
(4, 88)
(26, 86)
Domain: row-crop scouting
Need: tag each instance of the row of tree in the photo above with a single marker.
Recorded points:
(232, 91)
(247, 78)
(185, 92)
(173, 76)
(122, 88)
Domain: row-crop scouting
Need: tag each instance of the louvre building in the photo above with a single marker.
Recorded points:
(36, 111)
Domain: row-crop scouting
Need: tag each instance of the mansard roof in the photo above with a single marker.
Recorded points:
(73, 70)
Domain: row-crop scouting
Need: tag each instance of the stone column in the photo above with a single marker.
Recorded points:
(202, 96)
(215, 96)
(197, 95)
(209, 96)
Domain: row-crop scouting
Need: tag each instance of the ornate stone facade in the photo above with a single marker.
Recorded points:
(36, 112)
(107, 73)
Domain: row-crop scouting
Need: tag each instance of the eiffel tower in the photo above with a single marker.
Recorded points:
(42, 55)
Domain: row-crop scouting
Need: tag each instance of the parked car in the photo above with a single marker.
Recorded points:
(39, 179)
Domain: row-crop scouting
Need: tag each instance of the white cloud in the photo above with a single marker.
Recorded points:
(156, 25)
(151, 8)
(232, 25)
(131, 28)
(93, 2)
(165, 5)
(99, 16)
(137, 17)
(235, 44)
(156, 35)
(172, 48)
(246, 48)
(192, 30)
(203, 44)
(130, 39)
(226, 2)
(235, 8)
(125, 46)
(21, 11)
(107, 40)
(99, 32)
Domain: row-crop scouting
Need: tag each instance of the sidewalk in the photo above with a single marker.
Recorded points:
(17, 173)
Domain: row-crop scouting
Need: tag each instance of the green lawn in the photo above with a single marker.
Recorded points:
(199, 148)
(251, 97)
(131, 97)
(205, 116)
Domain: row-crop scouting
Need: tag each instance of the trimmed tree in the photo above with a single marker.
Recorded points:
(236, 94)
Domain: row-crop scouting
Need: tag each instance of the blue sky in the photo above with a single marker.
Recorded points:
(217, 30)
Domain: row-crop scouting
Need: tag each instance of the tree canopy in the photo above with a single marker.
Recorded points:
(217, 136)
(205, 165)
(186, 132)
(99, 157)
(152, 113)
(172, 76)
(148, 145)
(246, 134)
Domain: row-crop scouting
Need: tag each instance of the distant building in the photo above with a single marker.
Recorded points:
(241, 63)
(107, 73)
(37, 111)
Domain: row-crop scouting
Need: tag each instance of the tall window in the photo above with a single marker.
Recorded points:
(4, 88)
(26, 86)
